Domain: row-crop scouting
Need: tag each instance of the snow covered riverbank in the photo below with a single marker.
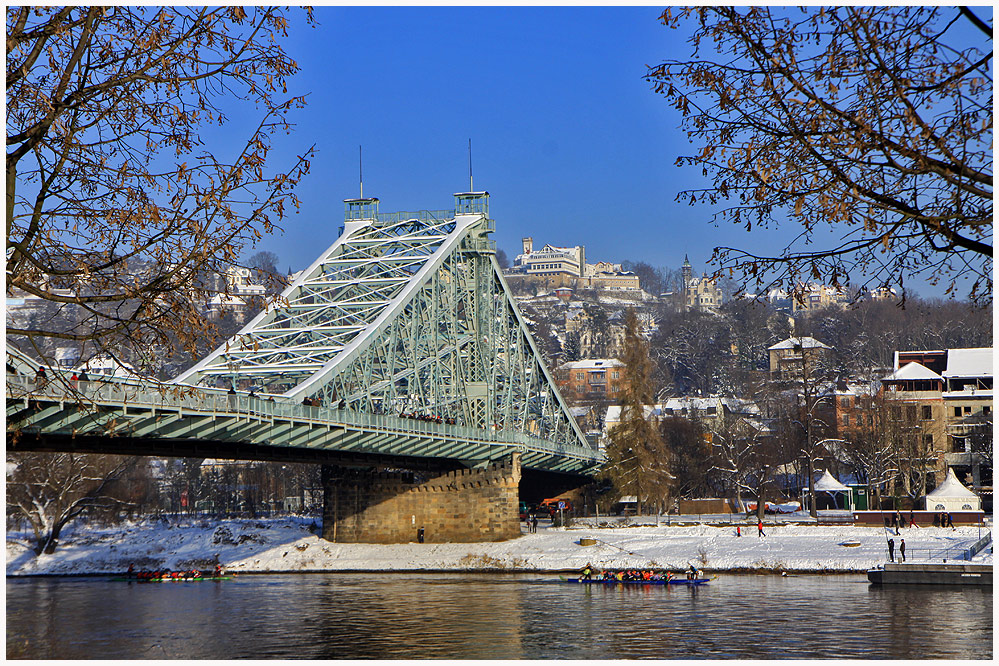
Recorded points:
(288, 545)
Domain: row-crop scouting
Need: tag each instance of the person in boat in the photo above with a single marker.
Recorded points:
(131, 570)
(692, 573)
(587, 572)
(218, 570)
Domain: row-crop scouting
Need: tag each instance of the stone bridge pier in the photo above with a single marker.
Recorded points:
(461, 506)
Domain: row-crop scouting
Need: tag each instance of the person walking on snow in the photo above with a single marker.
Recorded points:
(759, 526)
(738, 531)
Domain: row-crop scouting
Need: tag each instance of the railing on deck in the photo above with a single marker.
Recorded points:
(128, 392)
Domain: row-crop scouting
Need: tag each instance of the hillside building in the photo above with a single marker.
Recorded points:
(944, 397)
(551, 260)
(591, 378)
(789, 357)
(699, 293)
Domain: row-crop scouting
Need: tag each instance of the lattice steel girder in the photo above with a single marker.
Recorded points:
(404, 316)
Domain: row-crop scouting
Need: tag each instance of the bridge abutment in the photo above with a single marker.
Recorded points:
(462, 506)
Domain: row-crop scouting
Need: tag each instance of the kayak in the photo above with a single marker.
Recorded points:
(182, 579)
(614, 581)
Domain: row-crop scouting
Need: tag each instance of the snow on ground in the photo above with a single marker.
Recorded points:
(289, 545)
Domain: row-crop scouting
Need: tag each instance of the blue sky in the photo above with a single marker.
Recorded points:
(569, 140)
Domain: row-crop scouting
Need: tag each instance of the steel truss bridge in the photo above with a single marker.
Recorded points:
(400, 345)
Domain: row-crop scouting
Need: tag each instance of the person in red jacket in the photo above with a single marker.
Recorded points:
(759, 526)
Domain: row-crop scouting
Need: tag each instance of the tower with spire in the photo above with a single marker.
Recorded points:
(688, 272)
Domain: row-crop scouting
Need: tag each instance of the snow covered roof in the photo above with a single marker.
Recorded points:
(222, 300)
(593, 364)
(740, 406)
(974, 362)
(613, 415)
(951, 488)
(828, 483)
(805, 342)
(688, 402)
(913, 371)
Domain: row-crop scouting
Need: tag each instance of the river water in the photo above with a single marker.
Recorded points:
(502, 616)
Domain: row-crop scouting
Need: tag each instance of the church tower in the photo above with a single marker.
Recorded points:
(687, 273)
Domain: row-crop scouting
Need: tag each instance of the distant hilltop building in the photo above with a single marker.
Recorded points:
(699, 293)
(809, 297)
(566, 267)
(552, 260)
(240, 288)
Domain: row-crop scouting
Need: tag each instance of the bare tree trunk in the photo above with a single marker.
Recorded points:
(811, 489)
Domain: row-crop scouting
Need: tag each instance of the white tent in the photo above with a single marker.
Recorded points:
(827, 483)
(952, 495)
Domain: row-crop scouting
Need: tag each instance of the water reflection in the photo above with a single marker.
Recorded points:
(390, 616)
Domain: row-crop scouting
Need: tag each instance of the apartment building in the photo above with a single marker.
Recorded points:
(946, 395)
(591, 378)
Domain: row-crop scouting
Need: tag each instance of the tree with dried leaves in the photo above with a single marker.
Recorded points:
(637, 457)
(51, 489)
(874, 122)
(119, 198)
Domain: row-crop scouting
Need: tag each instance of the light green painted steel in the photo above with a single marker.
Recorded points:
(132, 410)
(405, 314)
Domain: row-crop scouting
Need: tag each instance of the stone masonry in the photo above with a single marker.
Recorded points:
(463, 506)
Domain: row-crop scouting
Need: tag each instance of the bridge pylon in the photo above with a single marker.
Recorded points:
(404, 314)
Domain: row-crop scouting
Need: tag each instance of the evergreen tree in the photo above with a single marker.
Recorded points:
(637, 459)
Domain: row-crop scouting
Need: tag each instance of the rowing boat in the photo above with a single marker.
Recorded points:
(182, 579)
(614, 581)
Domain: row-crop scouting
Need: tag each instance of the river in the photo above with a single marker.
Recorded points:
(502, 616)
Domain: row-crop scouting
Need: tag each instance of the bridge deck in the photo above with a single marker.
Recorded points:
(144, 412)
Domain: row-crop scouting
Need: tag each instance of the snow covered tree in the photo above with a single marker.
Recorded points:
(51, 489)
(745, 458)
(637, 457)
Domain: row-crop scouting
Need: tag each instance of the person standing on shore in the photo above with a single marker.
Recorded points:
(534, 523)
(901, 549)
(420, 533)
(891, 550)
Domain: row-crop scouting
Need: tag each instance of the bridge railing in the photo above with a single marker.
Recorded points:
(129, 392)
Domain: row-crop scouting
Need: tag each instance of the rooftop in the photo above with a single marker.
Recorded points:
(593, 364)
(804, 342)
(973, 362)
(913, 371)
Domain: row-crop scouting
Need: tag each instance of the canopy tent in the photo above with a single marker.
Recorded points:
(952, 495)
(828, 484)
